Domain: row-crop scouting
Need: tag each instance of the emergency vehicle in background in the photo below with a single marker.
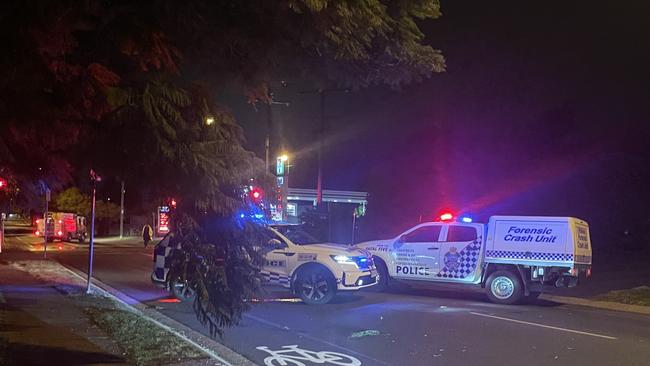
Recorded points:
(510, 257)
(63, 226)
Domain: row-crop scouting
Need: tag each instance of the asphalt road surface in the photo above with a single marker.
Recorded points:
(409, 327)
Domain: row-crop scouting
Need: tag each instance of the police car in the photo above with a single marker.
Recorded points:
(296, 261)
(510, 256)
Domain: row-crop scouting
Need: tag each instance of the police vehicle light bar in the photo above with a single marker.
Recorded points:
(447, 216)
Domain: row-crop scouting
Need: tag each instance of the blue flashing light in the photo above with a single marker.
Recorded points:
(466, 219)
(242, 216)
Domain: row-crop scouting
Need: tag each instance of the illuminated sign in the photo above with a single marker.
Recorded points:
(163, 219)
(279, 168)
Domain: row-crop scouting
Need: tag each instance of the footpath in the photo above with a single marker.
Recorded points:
(47, 318)
(620, 281)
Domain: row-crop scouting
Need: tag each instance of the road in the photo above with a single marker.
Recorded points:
(409, 327)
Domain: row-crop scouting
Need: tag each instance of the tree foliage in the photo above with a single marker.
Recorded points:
(125, 86)
(72, 200)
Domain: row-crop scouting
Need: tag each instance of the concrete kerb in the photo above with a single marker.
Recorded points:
(215, 350)
(608, 305)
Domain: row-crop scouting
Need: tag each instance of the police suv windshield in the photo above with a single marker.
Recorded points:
(297, 235)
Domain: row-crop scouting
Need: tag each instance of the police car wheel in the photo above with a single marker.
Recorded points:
(315, 286)
(183, 290)
(504, 287)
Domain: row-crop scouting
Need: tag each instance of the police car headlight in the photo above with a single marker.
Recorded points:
(343, 259)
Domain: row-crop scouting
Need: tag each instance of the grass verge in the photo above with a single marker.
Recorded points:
(142, 341)
(634, 296)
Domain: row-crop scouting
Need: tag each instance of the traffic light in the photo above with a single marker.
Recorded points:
(256, 194)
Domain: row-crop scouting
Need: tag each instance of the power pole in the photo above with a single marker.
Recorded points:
(321, 133)
(269, 124)
(47, 200)
(122, 212)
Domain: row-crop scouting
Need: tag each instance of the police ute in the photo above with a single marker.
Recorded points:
(511, 257)
(293, 260)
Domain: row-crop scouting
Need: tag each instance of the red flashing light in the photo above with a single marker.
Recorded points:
(172, 300)
(256, 194)
(59, 233)
(3, 183)
(37, 233)
(447, 216)
(173, 203)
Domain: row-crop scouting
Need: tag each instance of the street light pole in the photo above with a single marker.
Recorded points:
(122, 212)
(91, 248)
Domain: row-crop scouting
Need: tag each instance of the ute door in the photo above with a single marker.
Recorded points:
(276, 266)
(459, 252)
(415, 253)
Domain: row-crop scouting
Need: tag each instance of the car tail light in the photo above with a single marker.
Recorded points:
(588, 273)
(574, 272)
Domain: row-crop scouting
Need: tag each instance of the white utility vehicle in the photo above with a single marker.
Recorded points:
(295, 261)
(510, 257)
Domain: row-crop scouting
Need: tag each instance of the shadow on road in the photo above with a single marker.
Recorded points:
(475, 295)
(25, 354)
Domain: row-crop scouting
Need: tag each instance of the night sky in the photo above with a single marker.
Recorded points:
(543, 111)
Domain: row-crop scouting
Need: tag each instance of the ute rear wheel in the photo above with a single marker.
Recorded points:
(504, 287)
(315, 286)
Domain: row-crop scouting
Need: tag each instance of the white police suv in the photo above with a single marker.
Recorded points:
(315, 271)
(295, 260)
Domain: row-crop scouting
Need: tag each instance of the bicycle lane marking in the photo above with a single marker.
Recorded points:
(287, 354)
(314, 339)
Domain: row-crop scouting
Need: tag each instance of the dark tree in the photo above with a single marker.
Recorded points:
(125, 87)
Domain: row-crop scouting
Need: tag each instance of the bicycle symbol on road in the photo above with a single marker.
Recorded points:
(287, 356)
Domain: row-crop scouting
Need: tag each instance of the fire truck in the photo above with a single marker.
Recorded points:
(63, 226)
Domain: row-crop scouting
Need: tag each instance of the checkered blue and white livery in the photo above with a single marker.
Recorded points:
(466, 263)
(273, 278)
(161, 254)
(529, 255)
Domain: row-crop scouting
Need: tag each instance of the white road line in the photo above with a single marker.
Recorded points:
(314, 339)
(543, 325)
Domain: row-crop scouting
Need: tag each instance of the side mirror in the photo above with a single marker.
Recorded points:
(400, 240)
(275, 244)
